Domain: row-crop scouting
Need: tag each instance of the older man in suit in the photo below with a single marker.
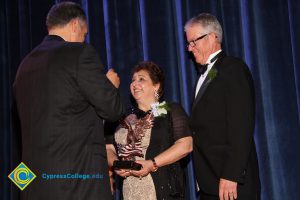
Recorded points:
(222, 117)
(62, 95)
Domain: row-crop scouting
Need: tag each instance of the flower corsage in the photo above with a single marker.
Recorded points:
(160, 109)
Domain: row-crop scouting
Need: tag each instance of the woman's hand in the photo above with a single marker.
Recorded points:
(147, 166)
(123, 172)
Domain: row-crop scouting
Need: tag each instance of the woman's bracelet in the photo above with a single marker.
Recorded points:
(154, 165)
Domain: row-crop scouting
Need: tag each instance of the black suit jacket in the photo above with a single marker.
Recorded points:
(62, 94)
(222, 122)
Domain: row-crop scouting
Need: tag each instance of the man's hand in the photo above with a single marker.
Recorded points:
(227, 190)
(113, 77)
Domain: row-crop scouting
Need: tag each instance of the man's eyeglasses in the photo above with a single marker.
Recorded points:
(193, 42)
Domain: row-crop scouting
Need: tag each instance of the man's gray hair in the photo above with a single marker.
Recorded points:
(208, 22)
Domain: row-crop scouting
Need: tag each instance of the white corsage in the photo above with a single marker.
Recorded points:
(159, 109)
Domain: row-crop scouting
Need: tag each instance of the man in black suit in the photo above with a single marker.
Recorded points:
(62, 95)
(222, 117)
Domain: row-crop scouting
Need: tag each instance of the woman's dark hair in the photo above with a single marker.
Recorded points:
(155, 73)
(62, 13)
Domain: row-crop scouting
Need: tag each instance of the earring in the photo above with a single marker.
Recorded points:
(156, 96)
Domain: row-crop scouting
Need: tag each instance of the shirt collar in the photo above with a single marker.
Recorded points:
(212, 55)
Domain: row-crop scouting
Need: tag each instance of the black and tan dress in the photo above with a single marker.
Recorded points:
(151, 136)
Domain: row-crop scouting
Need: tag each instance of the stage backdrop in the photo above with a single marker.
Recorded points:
(264, 33)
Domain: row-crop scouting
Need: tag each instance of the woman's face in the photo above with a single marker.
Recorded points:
(142, 87)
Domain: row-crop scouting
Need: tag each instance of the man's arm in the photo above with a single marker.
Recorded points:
(240, 119)
(96, 87)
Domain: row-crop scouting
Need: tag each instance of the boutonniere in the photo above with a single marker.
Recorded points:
(212, 74)
(160, 109)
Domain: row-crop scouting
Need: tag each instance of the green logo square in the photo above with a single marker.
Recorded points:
(22, 176)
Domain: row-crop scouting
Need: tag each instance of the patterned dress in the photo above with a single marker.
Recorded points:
(135, 187)
(142, 137)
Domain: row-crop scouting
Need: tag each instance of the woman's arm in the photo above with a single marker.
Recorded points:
(111, 154)
(178, 150)
(182, 146)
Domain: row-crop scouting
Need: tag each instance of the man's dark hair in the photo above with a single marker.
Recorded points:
(62, 13)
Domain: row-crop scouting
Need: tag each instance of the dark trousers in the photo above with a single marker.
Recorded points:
(204, 196)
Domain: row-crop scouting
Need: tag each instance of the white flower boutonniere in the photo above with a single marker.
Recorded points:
(159, 109)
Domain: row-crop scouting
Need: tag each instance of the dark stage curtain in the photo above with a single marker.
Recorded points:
(264, 33)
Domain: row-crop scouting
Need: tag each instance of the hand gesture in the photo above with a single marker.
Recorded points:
(113, 77)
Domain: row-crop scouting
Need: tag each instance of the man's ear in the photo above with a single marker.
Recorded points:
(73, 29)
(213, 36)
(74, 25)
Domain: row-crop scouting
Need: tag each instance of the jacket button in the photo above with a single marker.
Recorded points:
(244, 173)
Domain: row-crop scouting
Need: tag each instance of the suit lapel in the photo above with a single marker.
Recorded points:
(195, 87)
(207, 81)
(202, 89)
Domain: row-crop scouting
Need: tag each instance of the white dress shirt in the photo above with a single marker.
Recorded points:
(203, 76)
